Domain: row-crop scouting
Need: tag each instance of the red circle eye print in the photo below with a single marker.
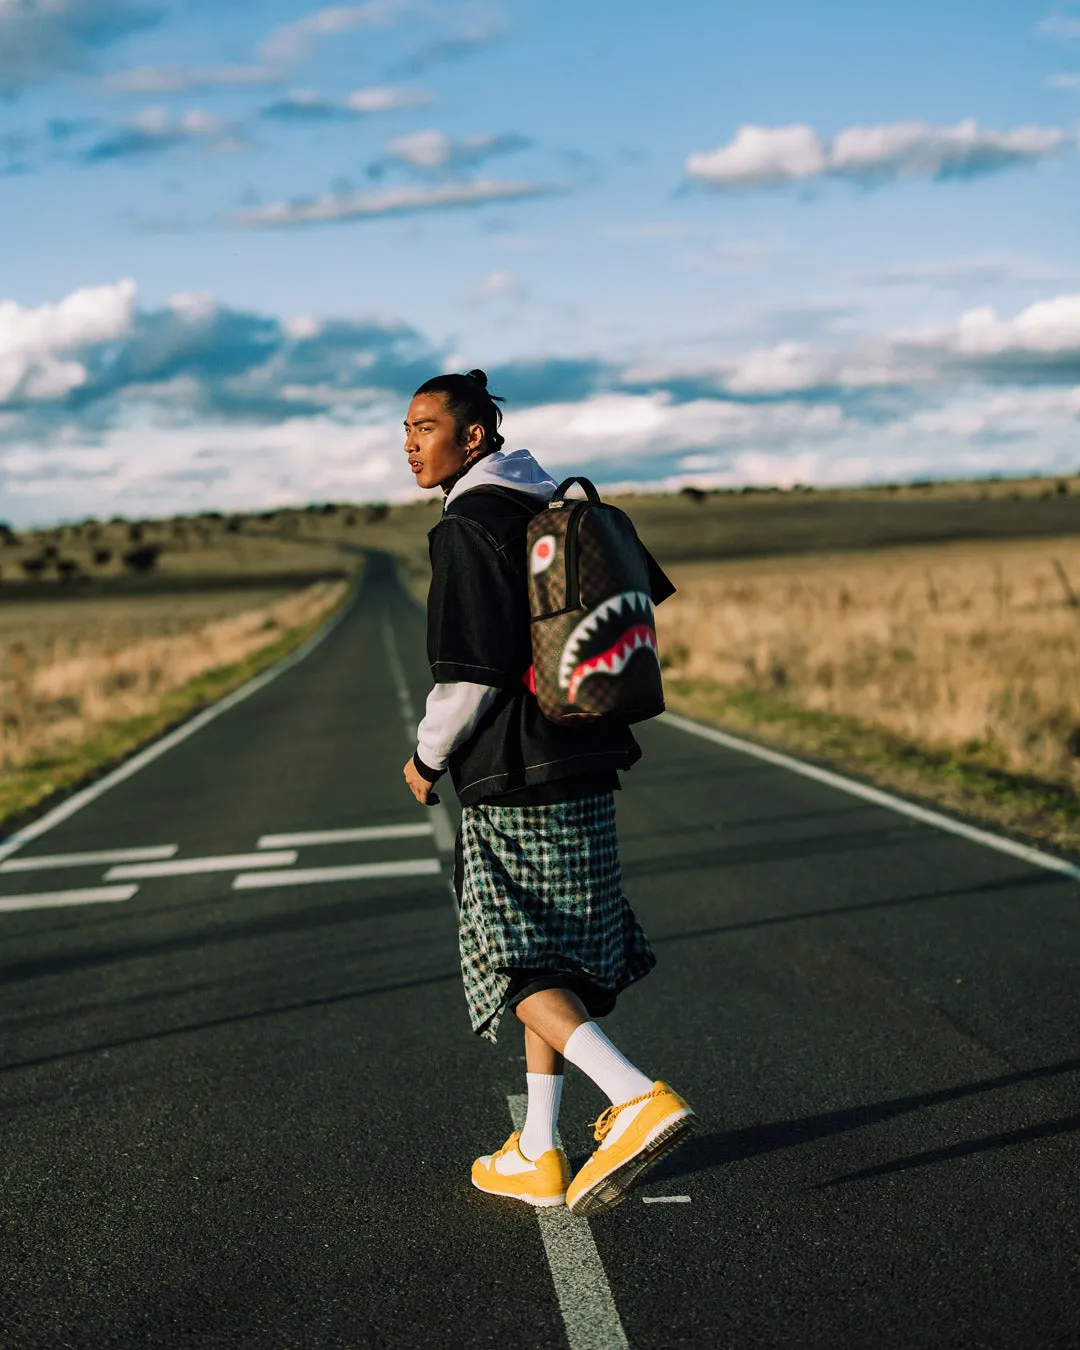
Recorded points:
(543, 554)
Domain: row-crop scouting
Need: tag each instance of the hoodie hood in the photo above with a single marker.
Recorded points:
(514, 469)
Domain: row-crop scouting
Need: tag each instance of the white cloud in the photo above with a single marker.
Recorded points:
(1047, 326)
(1070, 80)
(760, 156)
(155, 129)
(394, 201)
(500, 285)
(616, 426)
(423, 149)
(1061, 25)
(431, 151)
(193, 405)
(180, 79)
(296, 41)
(39, 348)
(42, 38)
(385, 98)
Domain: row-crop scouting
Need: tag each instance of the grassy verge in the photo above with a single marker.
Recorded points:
(26, 790)
(967, 783)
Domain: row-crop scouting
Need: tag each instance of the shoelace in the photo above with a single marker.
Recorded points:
(603, 1124)
(510, 1145)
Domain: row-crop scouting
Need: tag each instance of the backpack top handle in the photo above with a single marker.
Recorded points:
(559, 496)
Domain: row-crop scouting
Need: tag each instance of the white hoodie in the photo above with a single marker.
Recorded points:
(455, 708)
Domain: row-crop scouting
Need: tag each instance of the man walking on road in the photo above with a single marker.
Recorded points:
(544, 929)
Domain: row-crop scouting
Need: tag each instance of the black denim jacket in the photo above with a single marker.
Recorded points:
(478, 630)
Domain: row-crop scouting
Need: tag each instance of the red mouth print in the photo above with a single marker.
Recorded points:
(615, 658)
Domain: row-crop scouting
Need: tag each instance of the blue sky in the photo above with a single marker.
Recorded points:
(698, 243)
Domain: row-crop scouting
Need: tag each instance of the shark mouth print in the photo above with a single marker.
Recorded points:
(605, 640)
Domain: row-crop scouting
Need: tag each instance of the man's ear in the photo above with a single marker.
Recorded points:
(474, 437)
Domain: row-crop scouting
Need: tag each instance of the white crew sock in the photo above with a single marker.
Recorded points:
(542, 1115)
(598, 1059)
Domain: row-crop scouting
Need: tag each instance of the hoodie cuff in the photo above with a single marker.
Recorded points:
(425, 770)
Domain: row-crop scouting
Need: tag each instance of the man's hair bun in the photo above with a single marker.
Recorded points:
(479, 376)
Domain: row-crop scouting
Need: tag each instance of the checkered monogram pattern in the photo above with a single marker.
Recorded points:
(581, 556)
(542, 891)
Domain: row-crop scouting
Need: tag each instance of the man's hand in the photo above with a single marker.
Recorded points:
(418, 784)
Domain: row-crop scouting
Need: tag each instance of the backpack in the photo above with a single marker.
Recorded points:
(592, 587)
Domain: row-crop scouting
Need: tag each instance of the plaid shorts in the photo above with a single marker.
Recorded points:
(540, 894)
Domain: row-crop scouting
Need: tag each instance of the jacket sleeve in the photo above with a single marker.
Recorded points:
(450, 718)
(478, 616)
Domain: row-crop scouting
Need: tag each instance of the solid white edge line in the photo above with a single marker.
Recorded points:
(590, 1319)
(309, 876)
(95, 895)
(879, 798)
(192, 867)
(361, 834)
(43, 863)
(181, 733)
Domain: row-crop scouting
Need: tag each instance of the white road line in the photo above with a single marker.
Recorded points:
(67, 808)
(405, 703)
(665, 1199)
(96, 895)
(362, 834)
(187, 867)
(307, 876)
(590, 1318)
(870, 794)
(108, 855)
(444, 826)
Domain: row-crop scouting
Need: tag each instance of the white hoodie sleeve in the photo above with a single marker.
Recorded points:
(452, 713)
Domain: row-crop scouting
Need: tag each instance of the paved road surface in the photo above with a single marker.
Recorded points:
(243, 1114)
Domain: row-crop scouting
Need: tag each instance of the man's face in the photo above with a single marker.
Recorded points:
(431, 441)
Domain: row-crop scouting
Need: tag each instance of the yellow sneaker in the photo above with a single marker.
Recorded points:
(650, 1125)
(510, 1173)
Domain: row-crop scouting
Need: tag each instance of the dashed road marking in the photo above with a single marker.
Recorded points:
(186, 867)
(665, 1199)
(93, 895)
(308, 876)
(103, 856)
(362, 834)
(590, 1318)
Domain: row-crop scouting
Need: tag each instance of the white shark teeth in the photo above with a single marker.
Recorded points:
(632, 601)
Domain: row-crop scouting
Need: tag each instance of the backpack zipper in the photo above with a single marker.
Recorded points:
(573, 599)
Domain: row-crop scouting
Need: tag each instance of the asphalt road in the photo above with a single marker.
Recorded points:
(245, 1116)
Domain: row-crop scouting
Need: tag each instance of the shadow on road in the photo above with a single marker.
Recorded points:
(716, 1150)
(865, 906)
(938, 1155)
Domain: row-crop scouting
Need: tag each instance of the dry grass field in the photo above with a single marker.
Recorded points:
(971, 646)
(97, 654)
(66, 670)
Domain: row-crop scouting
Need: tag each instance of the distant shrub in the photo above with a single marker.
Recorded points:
(143, 559)
(67, 569)
(695, 494)
(34, 567)
(102, 557)
(136, 533)
(8, 537)
(377, 511)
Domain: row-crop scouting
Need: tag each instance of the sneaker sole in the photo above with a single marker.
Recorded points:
(537, 1201)
(613, 1189)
